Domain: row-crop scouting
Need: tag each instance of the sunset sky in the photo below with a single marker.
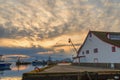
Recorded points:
(43, 27)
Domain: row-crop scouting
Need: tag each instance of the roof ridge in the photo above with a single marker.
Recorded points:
(105, 31)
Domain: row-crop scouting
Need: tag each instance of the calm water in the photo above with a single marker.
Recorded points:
(15, 73)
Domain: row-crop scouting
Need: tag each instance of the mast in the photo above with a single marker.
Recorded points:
(70, 41)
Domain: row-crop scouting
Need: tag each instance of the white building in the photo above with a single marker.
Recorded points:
(100, 47)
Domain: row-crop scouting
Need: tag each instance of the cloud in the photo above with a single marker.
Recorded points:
(38, 23)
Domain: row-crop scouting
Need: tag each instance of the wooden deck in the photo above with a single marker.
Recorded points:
(71, 68)
(70, 72)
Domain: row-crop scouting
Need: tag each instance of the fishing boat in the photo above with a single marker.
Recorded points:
(20, 62)
(37, 62)
(4, 64)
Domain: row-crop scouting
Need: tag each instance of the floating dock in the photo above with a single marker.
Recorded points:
(72, 72)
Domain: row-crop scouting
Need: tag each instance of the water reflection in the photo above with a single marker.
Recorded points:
(15, 72)
(11, 78)
(20, 67)
(2, 73)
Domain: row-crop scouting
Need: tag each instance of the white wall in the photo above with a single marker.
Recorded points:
(76, 60)
(104, 55)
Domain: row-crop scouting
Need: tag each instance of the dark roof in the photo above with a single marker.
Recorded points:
(103, 36)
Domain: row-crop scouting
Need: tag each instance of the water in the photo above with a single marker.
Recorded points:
(15, 73)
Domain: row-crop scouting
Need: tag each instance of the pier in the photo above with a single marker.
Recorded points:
(72, 72)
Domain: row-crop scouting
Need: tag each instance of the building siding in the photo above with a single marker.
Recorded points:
(104, 54)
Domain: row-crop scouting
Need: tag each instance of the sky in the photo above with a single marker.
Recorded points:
(42, 27)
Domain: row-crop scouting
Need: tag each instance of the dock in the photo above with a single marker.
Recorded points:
(72, 72)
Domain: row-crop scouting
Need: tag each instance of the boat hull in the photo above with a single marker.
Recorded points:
(5, 65)
(39, 63)
(23, 63)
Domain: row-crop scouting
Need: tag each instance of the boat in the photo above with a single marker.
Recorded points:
(23, 63)
(20, 62)
(37, 63)
(4, 64)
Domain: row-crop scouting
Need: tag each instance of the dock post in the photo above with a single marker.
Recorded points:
(78, 76)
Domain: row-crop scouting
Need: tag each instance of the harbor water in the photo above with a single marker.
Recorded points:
(15, 72)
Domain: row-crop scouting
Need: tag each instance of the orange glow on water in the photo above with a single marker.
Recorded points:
(11, 78)
(20, 67)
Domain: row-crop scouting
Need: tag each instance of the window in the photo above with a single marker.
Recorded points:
(90, 34)
(114, 36)
(96, 50)
(113, 49)
(87, 51)
(83, 52)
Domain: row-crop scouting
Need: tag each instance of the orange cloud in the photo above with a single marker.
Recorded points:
(50, 23)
